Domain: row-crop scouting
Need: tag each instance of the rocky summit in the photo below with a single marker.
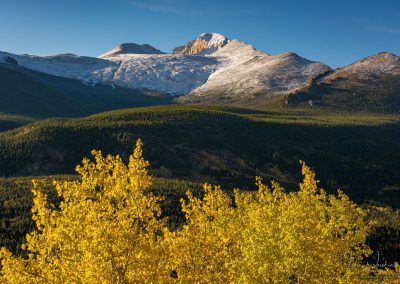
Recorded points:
(205, 43)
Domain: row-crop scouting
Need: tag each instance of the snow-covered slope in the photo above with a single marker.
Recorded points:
(167, 73)
(175, 74)
(381, 64)
(211, 65)
(247, 72)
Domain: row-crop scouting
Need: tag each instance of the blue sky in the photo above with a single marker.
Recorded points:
(334, 32)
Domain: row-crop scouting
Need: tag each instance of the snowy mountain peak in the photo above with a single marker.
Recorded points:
(205, 43)
(213, 40)
(131, 48)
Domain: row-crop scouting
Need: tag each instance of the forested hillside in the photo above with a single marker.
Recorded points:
(30, 93)
(356, 152)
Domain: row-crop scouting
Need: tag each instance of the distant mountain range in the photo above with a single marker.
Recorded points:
(213, 69)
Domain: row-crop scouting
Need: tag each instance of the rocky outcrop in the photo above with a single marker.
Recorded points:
(11, 61)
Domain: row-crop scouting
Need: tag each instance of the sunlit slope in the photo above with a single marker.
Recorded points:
(10, 121)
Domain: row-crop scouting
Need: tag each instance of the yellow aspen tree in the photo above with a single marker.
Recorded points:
(106, 228)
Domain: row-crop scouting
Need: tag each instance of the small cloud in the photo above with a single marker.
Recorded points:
(384, 30)
(161, 8)
(174, 8)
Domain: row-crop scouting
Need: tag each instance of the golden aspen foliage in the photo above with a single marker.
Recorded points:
(107, 228)
(300, 236)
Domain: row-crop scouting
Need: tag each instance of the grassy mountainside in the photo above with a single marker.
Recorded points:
(29, 93)
(357, 152)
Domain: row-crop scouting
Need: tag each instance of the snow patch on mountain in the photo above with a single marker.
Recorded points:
(174, 74)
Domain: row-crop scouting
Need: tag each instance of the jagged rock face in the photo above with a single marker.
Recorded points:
(131, 48)
(206, 43)
(184, 49)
